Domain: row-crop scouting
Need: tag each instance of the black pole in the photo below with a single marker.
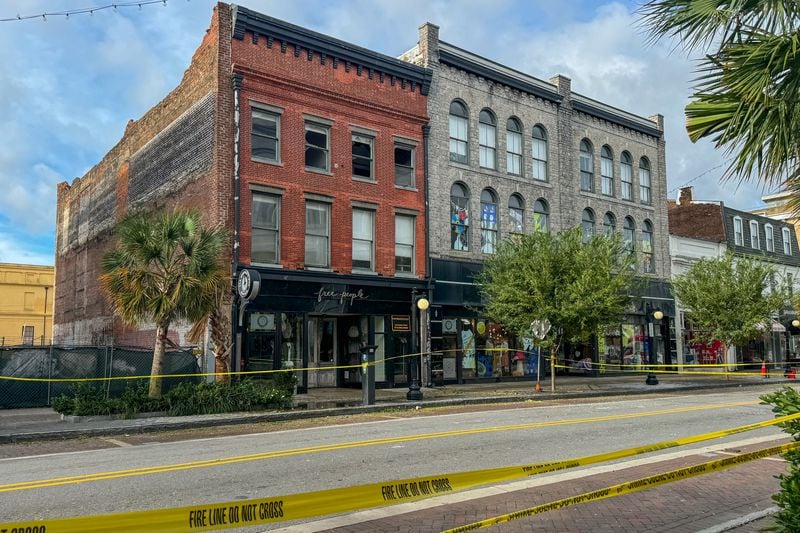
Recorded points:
(414, 393)
(651, 377)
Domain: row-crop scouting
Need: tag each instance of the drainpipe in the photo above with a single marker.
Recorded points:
(427, 375)
(236, 79)
(44, 318)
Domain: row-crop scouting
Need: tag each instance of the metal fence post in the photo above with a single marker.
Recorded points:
(49, 374)
(110, 369)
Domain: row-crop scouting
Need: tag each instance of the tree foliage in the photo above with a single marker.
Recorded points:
(731, 299)
(747, 94)
(579, 287)
(166, 267)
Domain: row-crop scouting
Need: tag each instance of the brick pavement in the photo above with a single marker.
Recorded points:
(683, 506)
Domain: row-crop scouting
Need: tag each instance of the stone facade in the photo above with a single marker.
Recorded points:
(567, 117)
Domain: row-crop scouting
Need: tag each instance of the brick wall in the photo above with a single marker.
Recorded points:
(348, 96)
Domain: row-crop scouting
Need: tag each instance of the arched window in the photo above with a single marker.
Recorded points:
(587, 224)
(516, 213)
(587, 166)
(648, 263)
(629, 235)
(609, 223)
(626, 176)
(539, 153)
(459, 217)
(459, 133)
(488, 221)
(541, 216)
(644, 181)
(607, 171)
(513, 147)
(487, 139)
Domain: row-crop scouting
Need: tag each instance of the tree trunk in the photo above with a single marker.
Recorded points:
(221, 340)
(158, 360)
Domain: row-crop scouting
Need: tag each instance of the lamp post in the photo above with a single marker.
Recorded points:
(651, 377)
(414, 393)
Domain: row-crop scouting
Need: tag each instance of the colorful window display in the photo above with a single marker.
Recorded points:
(459, 217)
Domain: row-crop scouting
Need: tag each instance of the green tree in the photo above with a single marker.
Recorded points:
(578, 286)
(166, 267)
(730, 299)
(747, 97)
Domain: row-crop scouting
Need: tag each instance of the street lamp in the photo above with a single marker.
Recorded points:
(651, 377)
(796, 323)
(414, 393)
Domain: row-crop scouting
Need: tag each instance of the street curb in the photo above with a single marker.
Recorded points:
(175, 423)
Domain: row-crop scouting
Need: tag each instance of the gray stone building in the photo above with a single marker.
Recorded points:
(508, 152)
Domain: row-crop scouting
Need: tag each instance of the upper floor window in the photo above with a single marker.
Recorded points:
(459, 130)
(265, 237)
(513, 147)
(769, 237)
(266, 135)
(318, 156)
(404, 166)
(541, 216)
(363, 158)
(487, 139)
(738, 231)
(644, 181)
(488, 221)
(539, 153)
(318, 233)
(516, 213)
(648, 264)
(364, 239)
(626, 176)
(609, 223)
(404, 243)
(587, 224)
(607, 171)
(587, 166)
(459, 217)
(629, 235)
(787, 241)
(755, 239)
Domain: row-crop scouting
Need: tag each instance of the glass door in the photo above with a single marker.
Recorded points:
(322, 342)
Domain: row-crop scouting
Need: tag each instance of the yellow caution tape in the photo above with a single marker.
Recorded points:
(205, 517)
(632, 486)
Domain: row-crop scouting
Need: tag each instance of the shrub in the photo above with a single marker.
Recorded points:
(787, 402)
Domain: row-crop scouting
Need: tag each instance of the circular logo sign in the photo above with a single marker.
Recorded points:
(245, 285)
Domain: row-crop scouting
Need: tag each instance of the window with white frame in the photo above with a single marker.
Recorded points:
(513, 147)
(787, 241)
(488, 221)
(755, 241)
(363, 239)
(607, 171)
(404, 243)
(265, 136)
(629, 235)
(587, 166)
(363, 157)
(459, 217)
(587, 224)
(404, 166)
(541, 216)
(266, 224)
(318, 231)
(769, 237)
(487, 139)
(738, 231)
(516, 213)
(645, 193)
(626, 176)
(539, 153)
(648, 262)
(609, 224)
(318, 147)
(27, 335)
(459, 129)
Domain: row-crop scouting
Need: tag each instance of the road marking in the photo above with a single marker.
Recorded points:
(160, 469)
(116, 442)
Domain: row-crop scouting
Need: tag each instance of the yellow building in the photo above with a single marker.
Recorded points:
(776, 206)
(26, 304)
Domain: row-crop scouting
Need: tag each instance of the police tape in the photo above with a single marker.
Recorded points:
(631, 486)
(205, 517)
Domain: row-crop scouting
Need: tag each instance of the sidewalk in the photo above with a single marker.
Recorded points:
(25, 425)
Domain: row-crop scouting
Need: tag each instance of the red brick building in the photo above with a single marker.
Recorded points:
(312, 151)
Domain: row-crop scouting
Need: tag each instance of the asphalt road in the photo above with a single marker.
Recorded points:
(538, 434)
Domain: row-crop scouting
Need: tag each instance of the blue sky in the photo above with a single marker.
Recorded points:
(68, 87)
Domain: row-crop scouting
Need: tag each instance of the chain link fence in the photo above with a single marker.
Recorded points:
(53, 362)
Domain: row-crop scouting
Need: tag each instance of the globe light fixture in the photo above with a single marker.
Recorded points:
(796, 323)
(423, 304)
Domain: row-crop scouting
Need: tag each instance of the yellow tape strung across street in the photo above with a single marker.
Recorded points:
(205, 517)
(632, 486)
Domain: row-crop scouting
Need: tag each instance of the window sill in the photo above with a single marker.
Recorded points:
(410, 275)
(265, 265)
(412, 189)
(364, 272)
(318, 269)
(365, 180)
(267, 161)
(318, 171)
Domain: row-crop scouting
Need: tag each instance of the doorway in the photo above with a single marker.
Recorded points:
(322, 345)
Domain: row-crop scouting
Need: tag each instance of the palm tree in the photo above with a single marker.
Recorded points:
(166, 267)
(747, 97)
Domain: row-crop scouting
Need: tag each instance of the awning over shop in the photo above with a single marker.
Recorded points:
(774, 326)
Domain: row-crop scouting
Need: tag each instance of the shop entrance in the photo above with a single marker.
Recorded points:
(322, 351)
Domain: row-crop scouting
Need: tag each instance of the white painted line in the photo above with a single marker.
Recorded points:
(116, 442)
(742, 520)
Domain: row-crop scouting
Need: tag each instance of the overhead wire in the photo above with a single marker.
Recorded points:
(83, 10)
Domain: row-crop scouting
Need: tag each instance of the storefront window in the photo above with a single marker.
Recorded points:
(292, 340)
(633, 347)
(380, 348)
(611, 346)
(468, 348)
